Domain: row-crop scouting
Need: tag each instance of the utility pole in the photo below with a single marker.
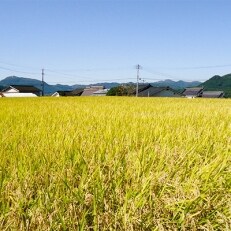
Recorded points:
(42, 82)
(138, 67)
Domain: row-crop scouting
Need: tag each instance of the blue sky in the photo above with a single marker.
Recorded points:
(94, 40)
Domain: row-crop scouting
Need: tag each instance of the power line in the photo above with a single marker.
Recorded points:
(105, 80)
(202, 67)
(86, 78)
(70, 75)
(196, 67)
(19, 66)
(95, 80)
(124, 68)
(93, 69)
(24, 72)
(80, 79)
(73, 76)
(160, 74)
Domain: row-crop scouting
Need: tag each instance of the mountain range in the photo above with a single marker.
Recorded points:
(221, 83)
(49, 89)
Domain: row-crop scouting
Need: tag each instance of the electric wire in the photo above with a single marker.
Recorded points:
(24, 72)
(83, 79)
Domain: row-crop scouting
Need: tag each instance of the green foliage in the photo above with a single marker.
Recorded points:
(221, 83)
(115, 91)
(122, 90)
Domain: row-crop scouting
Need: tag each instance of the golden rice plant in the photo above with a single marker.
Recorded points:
(115, 163)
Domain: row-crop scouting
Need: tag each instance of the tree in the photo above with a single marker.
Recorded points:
(117, 91)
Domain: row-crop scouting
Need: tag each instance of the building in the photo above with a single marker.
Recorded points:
(150, 91)
(89, 91)
(17, 94)
(76, 92)
(24, 90)
(213, 94)
(193, 92)
(101, 92)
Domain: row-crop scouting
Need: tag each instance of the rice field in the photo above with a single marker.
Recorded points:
(115, 163)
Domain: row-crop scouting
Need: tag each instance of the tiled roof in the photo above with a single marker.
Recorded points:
(76, 92)
(88, 91)
(143, 87)
(65, 93)
(152, 91)
(26, 88)
(193, 91)
(213, 94)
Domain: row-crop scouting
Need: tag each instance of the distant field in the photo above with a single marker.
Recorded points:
(109, 163)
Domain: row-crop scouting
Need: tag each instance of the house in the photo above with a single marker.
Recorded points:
(22, 89)
(89, 91)
(1, 88)
(101, 92)
(150, 91)
(76, 92)
(193, 92)
(17, 94)
(61, 93)
(143, 87)
(213, 94)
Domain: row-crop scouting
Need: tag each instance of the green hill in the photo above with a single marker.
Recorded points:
(175, 84)
(48, 89)
(222, 83)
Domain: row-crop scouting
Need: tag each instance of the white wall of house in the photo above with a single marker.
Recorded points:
(16, 94)
(56, 94)
(191, 96)
(101, 92)
(12, 90)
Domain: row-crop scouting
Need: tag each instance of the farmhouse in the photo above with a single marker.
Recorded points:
(21, 91)
(91, 91)
(213, 94)
(17, 94)
(193, 92)
(199, 92)
(101, 92)
(76, 92)
(151, 91)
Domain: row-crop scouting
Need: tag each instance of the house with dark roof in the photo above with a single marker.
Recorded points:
(76, 92)
(193, 92)
(22, 89)
(151, 91)
(1, 88)
(213, 94)
(143, 87)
